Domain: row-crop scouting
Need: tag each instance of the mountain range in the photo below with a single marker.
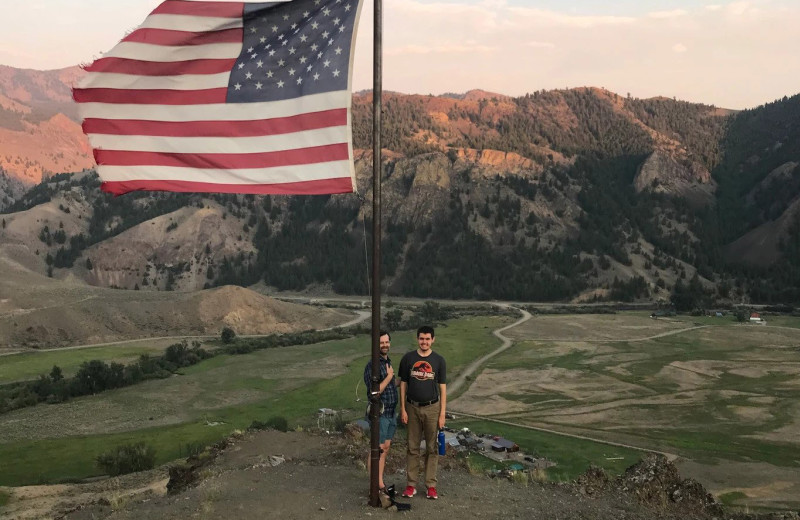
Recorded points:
(577, 194)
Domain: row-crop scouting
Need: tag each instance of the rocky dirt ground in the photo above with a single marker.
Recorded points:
(270, 474)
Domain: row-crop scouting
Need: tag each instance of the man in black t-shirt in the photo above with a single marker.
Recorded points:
(423, 400)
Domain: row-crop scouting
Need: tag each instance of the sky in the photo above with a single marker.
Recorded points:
(732, 54)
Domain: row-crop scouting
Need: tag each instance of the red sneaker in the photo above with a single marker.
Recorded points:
(432, 493)
(409, 492)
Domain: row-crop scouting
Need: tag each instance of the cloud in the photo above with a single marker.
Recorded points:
(714, 7)
(438, 49)
(540, 45)
(679, 47)
(662, 15)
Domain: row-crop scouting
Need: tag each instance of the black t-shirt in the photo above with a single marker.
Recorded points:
(423, 375)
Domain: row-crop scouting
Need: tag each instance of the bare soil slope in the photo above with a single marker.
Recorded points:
(36, 311)
(303, 476)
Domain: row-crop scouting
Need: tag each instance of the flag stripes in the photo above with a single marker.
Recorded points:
(153, 68)
(160, 113)
(317, 187)
(278, 125)
(178, 38)
(273, 143)
(230, 161)
(195, 8)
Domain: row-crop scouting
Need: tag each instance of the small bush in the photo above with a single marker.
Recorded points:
(275, 423)
(228, 335)
(127, 458)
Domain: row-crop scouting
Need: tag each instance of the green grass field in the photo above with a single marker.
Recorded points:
(227, 392)
(572, 456)
(30, 365)
(724, 391)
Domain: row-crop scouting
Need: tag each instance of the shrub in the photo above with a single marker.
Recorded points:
(127, 458)
(228, 335)
(278, 423)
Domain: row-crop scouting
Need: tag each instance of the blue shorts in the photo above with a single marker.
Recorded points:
(388, 425)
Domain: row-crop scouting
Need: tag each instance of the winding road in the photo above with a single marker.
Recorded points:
(507, 343)
(456, 385)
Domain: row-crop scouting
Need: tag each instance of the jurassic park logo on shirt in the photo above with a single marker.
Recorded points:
(422, 370)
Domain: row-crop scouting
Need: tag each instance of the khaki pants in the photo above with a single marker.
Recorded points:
(422, 420)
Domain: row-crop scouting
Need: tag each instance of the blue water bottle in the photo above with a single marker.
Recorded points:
(441, 442)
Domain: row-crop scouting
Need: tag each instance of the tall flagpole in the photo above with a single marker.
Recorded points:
(377, 90)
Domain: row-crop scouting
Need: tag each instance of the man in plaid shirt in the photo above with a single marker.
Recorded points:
(388, 390)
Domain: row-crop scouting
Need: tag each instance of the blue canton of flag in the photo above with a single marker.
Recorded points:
(293, 49)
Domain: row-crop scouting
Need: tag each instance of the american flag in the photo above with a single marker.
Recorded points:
(230, 97)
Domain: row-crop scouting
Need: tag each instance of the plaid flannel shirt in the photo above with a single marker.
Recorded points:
(389, 394)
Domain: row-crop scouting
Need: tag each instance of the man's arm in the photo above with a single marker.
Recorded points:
(443, 401)
(403, 413)
(387, 379)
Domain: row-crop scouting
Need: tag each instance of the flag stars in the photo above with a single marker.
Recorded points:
(303, 38)
(308, 69)
(292, 50)
(263, 39)
(325, 35)
(303, 59)
(291, 72)
(249, 75)
(284, 42)
(315, 25)
(326, 11)
(241, 66)
(347, 8)
(294, 26)
(269, 74)
(238, 86)
(274, 28)
(314, 47)
(259, 85)
(336, 21)
(253, 29)
(280, 84)
(316, 76)
(281, 63)
(336, 73)
(285, 17)
(272, 52)
(250, 49)
(341, 28)
(299, 81)
(327, 63)
(338, 50)
(306, 14)
(260, 64)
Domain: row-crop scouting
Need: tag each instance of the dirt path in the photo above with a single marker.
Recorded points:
(507, 343)
(360, 317)
(456, 385)
(626, 340)
(669, 456)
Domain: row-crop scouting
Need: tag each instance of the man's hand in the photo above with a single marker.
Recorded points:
(389, 372)
(441, 421)
(404, 417)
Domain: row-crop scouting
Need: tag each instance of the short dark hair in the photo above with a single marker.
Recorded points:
(384, 333)
(426, 329)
